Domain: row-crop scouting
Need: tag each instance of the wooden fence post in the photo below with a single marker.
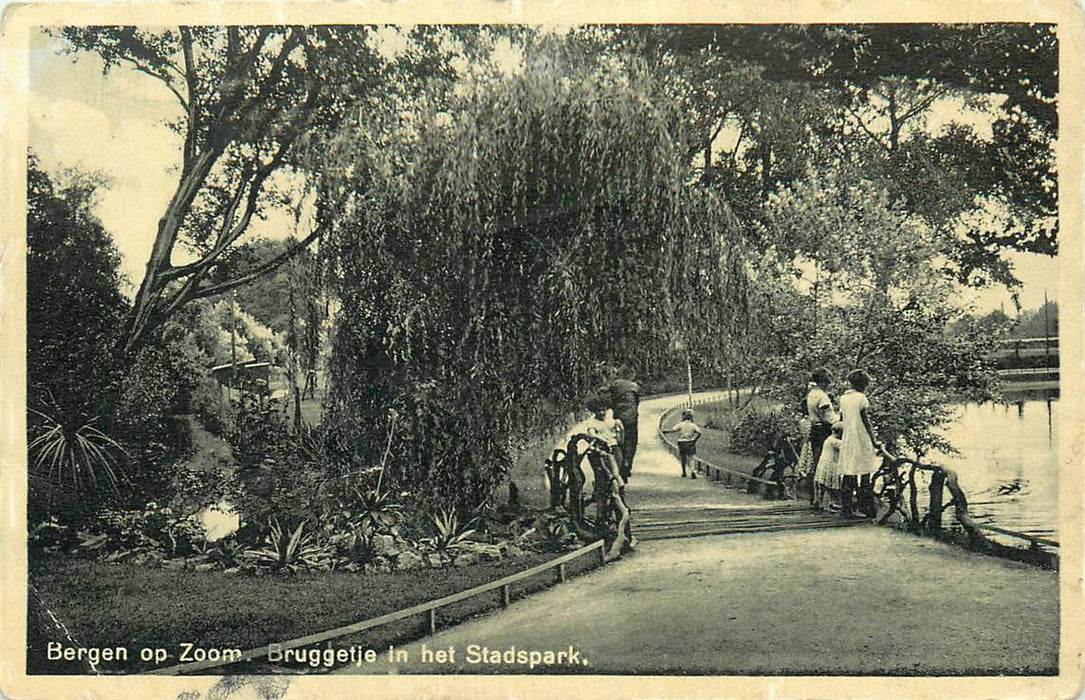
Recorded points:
(913, 494)
(934, 516)
(574, 482)
(960, 506)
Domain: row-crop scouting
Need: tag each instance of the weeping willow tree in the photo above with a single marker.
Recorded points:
(495, 255)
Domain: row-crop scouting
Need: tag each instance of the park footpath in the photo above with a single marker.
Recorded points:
(858, 600)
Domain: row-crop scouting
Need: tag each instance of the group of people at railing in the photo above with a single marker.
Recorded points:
(840, 460)
(607, 438)
(841, 451)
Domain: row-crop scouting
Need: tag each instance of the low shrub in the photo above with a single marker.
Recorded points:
(354, 545)
(152, 528)
(757, 432)
(449, 533)
(291, 551)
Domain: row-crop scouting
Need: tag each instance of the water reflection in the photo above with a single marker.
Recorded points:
(1008, 463)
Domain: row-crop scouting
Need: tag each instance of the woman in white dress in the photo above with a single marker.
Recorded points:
(859, 448)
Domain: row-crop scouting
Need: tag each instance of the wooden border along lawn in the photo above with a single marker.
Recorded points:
(125, 605)
(431, 607)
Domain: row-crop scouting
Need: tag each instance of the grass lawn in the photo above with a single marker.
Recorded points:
(527, 472)
(120, 604)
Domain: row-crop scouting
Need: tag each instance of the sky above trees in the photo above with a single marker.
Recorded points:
(115, 124)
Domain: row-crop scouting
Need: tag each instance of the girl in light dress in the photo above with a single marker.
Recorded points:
(859, 448)
(827, 475)
(821, 415)
(805, 468)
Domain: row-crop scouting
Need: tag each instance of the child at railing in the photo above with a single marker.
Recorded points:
(598, 426)
(827, 474)
(688, 434)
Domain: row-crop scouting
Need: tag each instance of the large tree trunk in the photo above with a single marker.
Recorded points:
(143, 316)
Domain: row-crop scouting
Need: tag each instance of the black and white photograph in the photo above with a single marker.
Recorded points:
(544, 350)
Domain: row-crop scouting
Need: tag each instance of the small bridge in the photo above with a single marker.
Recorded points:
(726, 500)
(1028, 359)
(674, 523)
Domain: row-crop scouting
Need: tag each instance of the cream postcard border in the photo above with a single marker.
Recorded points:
(19, 19)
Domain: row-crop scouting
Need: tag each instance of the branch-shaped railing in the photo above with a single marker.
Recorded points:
(898, 474)
(895, 483)
(566, 479)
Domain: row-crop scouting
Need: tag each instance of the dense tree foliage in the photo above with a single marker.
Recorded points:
(872, 296)
(539, 229)
(507, 214)
(74, 299)
(876, 98)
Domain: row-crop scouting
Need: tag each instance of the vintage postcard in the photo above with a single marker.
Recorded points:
(534, 350)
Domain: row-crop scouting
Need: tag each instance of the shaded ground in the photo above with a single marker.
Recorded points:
(863, 600)
(104, 604)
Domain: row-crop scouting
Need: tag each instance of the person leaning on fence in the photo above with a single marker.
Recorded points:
(859, 448)
(688, 434)
(822, 415)
(617, 429)
(597, 426)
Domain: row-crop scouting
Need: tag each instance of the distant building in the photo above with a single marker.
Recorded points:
(261, 379)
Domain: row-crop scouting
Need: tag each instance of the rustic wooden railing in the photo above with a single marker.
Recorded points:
(898, 473)
(567, 480)
(1035, 542)
(430, 609)
(897, 477)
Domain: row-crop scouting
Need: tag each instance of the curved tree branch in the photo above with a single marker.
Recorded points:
(259, 270)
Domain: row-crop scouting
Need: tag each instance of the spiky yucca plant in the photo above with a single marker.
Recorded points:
(78, 455)
(291, 551)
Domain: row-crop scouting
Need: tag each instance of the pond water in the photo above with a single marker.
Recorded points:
(1008, 463)
(219, 520)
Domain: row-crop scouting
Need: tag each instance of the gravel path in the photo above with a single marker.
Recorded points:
(862, 600)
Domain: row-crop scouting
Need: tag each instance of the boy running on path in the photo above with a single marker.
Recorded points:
(688, 434)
